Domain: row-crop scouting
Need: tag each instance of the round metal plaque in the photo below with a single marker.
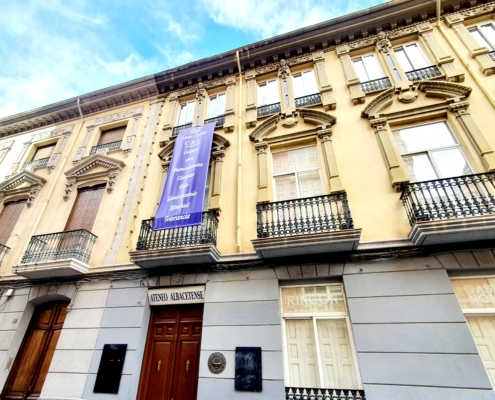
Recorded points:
(216, 363)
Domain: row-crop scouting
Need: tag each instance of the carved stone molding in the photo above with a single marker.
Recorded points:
(383, 100)
(383, 43)
(16, 185)
(115, 117)
(445, 90)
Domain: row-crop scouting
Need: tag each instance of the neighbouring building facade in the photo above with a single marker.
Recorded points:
(347, 244)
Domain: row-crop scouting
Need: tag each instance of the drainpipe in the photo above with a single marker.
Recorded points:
(79, 108)
(239, 156)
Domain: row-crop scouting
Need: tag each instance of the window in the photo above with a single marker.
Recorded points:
(367, 68)
(186, 113)
(484, 35)
(268, 93)
(319, 348)
(8, 218)
(112, 135)
(43, 152)
(217, 106)
(85, 209)
(431, 152)
(297, 174)
(304, 84)
(411, 57)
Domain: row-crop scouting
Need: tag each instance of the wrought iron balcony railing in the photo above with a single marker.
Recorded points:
(35, 164)
(205, 233)
(308, 100)
(298, 216)
(3, 252)
(457, 197)
(61, 245)
(177, 129)
(375, 85)
(220, 120)
(423, 73)
(296, 393)
(110, 146)
(492, 55)
(269, 109)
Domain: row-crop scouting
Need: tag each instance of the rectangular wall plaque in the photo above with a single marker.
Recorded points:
(248, 377)
(110, 369)
(177, 295)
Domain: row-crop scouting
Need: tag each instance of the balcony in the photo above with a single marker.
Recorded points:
(3, 252)
(376, 85)
(188, 245)
(57, 254)
(310, 225)
(177, 129)
(269, 109)
(296, 393)
(308, 100)
(109, 146)
(220, 120)
(423, 73)
(451, 210)
(36, 164)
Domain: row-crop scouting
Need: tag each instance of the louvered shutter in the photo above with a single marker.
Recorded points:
(112, 135)
(85, 208)
(43, 152)
(8, 218)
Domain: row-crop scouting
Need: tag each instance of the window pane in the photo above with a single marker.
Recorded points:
(416, 56)
(489, 34)
(43, 152)
(295, 160)
(212, 111)
(190, 112)
(309, 83)
(311, 299)
(273, 95)
(423, 137)
(298, 86)
(482, 329)
(262, 94)
(450, 163)
(373, 68)
(221, 104)
(480, 39)
(285, 187)
(301, 353)
(419, 168)
(309, 184)
(360, 70)
(404, 62)
(336, 354)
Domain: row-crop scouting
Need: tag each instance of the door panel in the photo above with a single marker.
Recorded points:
(483, 330)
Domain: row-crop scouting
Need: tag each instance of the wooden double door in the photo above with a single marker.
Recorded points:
(29, 371)
(171, 361)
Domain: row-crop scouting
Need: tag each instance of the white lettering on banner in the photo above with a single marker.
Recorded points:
(190, 151)
(177, 217)
(184, 295)
(181, 196)
(179, 207)
(182, 177)
(188, 167)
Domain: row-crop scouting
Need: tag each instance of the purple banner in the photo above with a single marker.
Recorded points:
(182, 199)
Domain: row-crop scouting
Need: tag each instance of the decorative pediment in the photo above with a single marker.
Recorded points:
(16, 184)
(446, 90)
(219, 143)
(93, 167)
(383, 100)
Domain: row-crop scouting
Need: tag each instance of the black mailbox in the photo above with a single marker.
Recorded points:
(110, 369)
(248, 376)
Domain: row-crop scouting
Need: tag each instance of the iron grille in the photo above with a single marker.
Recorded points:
(35, 164)
(61, 245)
(177, 129)
(3, 252)
(492, 55)
(220, 120)
(457, 197)
(298, 216)
(375, 85)
(308, 100)
(423, 73)
(296, 393)
(205, 233)
(112, 146)
(269, 109)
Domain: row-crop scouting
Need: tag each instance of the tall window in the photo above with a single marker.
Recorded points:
(112, 135)
(304, 84)
(484, 35)
(43, 152)
(431, 152)
(85, 209)
(297, 173)
(186, 113)
(411, 57)
(268, 93)
(8, 218)
(367, 68)
(319, 348)
(216, 106)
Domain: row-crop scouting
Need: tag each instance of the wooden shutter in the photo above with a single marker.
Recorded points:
(8, 218)
(85, 208)
(43, 152)
(112, 135)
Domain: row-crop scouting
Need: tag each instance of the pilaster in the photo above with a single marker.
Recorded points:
(287, 93)
(352, 80)
(251, 117)
(329, 161)
(131, 138)
(217, 181)
(398, 76)
(327, 99)
(173, 102)
(228, 125)
(262, 172)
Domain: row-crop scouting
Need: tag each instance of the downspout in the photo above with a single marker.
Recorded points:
(79, 108)
(462, 58)
(239, 157)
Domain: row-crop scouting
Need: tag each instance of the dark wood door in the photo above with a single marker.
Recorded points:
(28, 373)
(171, 362)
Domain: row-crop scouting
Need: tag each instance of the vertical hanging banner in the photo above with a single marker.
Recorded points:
(182, 199)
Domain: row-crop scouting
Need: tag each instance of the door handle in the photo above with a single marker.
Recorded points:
(187, 365)
(159, 366)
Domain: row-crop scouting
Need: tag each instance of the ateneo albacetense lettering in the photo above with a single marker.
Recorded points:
(159, 297)
(187, 296)
(182, 177)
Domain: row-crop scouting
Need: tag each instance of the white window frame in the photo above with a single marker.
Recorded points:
(272, 87)
(314, 316)
(187, 104)
(409, 56)
(486, 41)
(311, 73)
(217, 113)
(377, 62)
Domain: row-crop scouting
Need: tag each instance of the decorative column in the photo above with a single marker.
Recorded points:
(4, 149)
(329, 160)
(446, 61)
(228, 125)
(201, 95)
(251, 111)
(81, 150)
(286, 91)
(15, 166)
(131, 138)
(357, 94)
(476, 51)
(216, 181)
(473, 132)
(173, 102)
(397, 174)
(262, 173)
(329, 103)
(399, 78)
(57, 152)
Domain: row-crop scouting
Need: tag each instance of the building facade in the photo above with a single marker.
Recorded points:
(347, 245)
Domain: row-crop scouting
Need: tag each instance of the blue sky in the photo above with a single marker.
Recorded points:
(51, 50)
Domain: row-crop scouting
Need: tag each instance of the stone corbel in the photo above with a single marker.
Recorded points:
(33, 193)
(460, 110)
(69, 187)
(112, 178)
(173, 102)
(395, 72)
(57, 153)
(216, 181)
(334, 181)
(131, 138)
(201, 95)
(251, 110)
(228, 125)
(262, 172)
(396, 172)
(327, 99)
(357, 94)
